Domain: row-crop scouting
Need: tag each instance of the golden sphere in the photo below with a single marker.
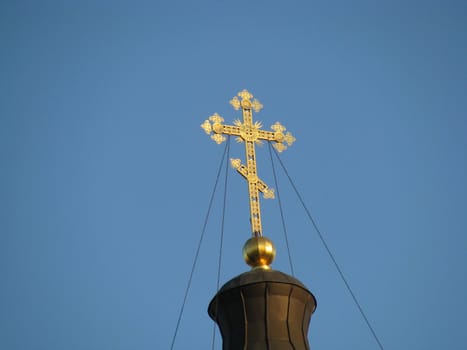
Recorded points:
(279, 136)
(259, 252)
(218, 128)
(246, 104)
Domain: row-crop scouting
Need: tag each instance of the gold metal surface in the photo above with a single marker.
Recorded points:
(249, 132)
(259, 252)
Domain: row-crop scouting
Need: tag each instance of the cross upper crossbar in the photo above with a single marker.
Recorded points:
(249, 133)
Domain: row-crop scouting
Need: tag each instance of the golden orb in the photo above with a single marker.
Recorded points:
(259, 252)
(279, 136)
(246, 104)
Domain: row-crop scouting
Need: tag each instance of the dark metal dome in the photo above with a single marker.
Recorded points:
(263, 309)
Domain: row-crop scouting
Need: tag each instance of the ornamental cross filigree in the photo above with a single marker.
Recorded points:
(249, 133)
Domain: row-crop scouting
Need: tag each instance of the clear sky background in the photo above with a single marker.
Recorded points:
(106, 175)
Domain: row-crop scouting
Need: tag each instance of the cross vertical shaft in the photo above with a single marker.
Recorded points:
(252, 178)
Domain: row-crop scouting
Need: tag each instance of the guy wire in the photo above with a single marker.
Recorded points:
(280, 209)
(221, 241)
(330, 253)
(198, 248)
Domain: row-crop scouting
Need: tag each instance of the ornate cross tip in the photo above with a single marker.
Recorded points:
(235, 102)
(245, 101)
(245, 95)
(289, 138)
(216, 118)
(282, 138)
(214, 125)
(268, 193)
(218, 138)
(207, 127)
(235, 163)
(257, 106)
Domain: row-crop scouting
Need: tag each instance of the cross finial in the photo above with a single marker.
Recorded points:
(245, 102)
(249, 132)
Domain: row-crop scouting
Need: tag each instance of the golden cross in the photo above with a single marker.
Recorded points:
(250, 133)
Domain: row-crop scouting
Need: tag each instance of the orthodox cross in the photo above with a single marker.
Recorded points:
(249, 133)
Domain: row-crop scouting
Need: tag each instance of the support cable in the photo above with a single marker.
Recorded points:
(221, 240)
(280, 209)
(203, 231)
(330, 254)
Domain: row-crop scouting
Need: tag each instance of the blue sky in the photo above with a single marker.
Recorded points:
(106, 174)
